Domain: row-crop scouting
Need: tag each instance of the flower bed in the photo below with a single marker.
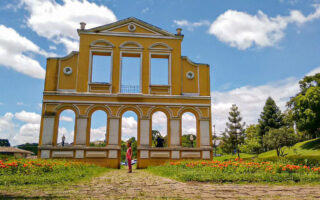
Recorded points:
(26, 171)
(237, 171)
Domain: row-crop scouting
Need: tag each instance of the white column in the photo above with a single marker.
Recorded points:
(204, 133)
(144, 132)
(114, 131)
(81, 130)
(48, 127)
(175, 132)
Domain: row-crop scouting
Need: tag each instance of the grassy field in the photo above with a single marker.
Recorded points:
(41, 172)
(238, 171)
(310, 148)
(300, 165)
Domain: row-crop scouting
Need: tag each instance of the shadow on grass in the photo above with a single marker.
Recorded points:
(312, 145)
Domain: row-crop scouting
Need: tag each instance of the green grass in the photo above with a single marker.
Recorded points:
(309, 148)
(235, 172)
(233, 156)
(46, 172)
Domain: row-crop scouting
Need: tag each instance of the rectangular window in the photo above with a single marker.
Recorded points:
(130, 73)
(101, 67)
(159, 70)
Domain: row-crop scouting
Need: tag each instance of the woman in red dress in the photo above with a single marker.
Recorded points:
(129, 156)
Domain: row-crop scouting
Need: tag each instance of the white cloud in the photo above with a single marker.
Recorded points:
(145, 10)
(15, 53)
(251, 99)
(98, 134)
(159, 123)
(242, 30)
(52, 47)
(6, 126)
(58, 22)
(69, 135)
(29, 117)
(66, 119)
(188, 124)
(191, 25)
(129, 128)
(28, 133)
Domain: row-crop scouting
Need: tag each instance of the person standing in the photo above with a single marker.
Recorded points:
(63, 139)
(129, 156)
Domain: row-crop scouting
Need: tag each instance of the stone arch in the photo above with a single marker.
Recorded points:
(168, 114)
(131, 45)
(59, 109)
(135, 109)
(160, 46)
(197, 114)
(89, 113)
(138, 112)
(193, 110)
(105, 43)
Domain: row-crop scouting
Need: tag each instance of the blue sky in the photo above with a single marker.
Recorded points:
(255, 49)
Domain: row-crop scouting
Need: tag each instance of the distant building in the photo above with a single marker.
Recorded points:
(15, 152)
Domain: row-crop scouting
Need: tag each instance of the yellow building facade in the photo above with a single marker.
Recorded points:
(69, 85)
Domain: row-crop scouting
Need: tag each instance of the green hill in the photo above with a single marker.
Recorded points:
(309, 148)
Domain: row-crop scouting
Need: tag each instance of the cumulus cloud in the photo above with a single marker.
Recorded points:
(29, 117)
(98, 134)
(28, 133)
(189, 125)
(66, 118)
(15, 53)
(129, 128)
(159, 123)
(191, 25)
(243, 30)
(251, 99)
(6, 126)
(58, 22)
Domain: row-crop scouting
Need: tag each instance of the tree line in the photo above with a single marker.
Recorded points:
(299, 122)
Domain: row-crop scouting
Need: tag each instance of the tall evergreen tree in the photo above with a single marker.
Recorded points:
(270, 118)
(234, 134)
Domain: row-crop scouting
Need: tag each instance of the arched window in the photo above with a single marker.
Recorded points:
(189, 130)
(129, 131)
(159, 129)
(98, 129)
(66, 128)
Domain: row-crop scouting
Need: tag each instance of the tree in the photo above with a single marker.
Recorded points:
(186, 142)
(306, 105)
(270, 118)
(278, 138)
(234, 134)
(252, 140)
(4, 143)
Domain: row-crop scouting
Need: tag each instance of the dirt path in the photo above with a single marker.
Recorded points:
(118, 184)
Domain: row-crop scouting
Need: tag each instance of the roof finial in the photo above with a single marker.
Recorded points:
(179, 31)
(82, 25)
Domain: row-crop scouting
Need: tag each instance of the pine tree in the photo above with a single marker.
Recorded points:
(270, 118)
(234, 134)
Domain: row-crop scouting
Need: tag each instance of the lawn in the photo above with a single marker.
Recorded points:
(307, 149)
(41, 172)
(238, 171)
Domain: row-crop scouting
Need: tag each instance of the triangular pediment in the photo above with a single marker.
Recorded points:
(130, 26)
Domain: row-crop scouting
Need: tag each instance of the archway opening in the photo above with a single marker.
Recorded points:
(65, 136)
(159, 129)
(189, 130)
(98, 129)
(129, 132)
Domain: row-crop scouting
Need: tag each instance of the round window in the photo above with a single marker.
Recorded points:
(131, 27)
(67, 70)
(190, 75)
